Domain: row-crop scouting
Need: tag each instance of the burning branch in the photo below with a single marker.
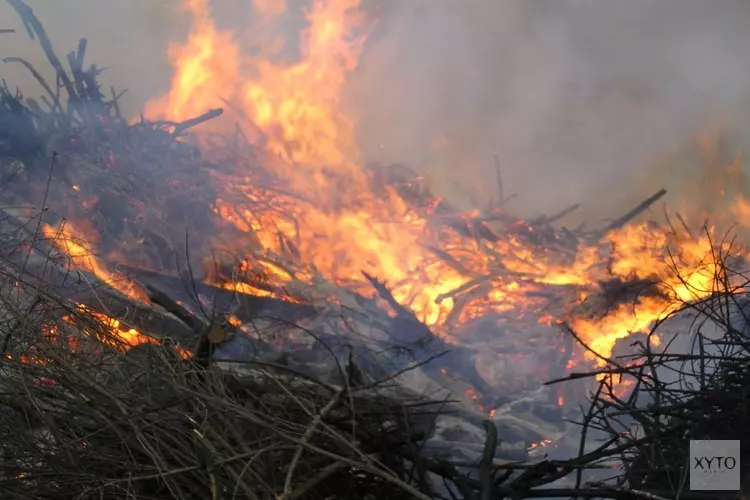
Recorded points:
(639, 209)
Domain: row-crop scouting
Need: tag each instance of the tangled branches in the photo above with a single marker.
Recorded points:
(86, 418)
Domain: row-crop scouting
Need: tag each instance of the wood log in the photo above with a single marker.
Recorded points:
(640, 208)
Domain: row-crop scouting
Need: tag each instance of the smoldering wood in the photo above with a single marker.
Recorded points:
(684, 225)
(80, 288)
(181, 127)
(245, 307)
(22, 223)
(145, 319)
(411, 187)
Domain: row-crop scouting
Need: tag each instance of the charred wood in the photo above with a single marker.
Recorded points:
(639, 209)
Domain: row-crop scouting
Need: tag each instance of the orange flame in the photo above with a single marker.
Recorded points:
(131, 337)
(341, 222)
(688, 274)
(297, 107)
(75, 248)
(343, 227)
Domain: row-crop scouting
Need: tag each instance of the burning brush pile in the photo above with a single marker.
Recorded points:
(221, 303)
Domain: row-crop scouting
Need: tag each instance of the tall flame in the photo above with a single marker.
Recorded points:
(348, 228)
(205, 63)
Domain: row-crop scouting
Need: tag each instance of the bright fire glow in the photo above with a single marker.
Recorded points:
(342, 222)
(66, 239)
(344, 227)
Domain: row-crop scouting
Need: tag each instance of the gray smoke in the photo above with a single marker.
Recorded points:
(575, 96)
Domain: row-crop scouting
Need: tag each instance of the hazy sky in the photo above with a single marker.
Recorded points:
(572, 94)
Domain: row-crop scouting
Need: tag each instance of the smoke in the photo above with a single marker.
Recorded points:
(576, 97)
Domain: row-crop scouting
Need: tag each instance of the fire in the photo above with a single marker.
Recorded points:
(346, 227)
(130, 336)
(541, 444)
(342, 225)
(69, 334)
(309, 201)
(108, 328)
(297, 107)
(301, 102)
(688, 273)
(64, 237)
(208, 56)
